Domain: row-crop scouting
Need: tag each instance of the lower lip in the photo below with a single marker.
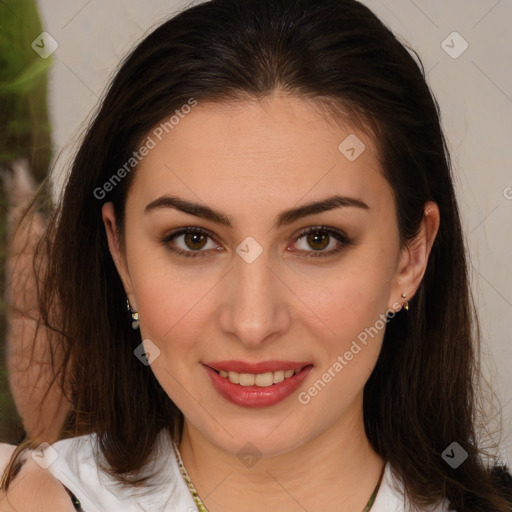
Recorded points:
(255, 396)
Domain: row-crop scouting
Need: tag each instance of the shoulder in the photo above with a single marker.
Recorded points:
(35, 489)
(80, 465)
(391, 496)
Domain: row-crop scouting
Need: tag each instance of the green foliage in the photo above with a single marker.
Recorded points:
(24, 132)
(24, 126)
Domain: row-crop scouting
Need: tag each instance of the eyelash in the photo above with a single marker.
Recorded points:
(338, 235)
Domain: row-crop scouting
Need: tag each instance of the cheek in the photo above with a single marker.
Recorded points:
(351, 306)
(176, 302)
(329, 306)
(334, 320)
(350, 298)
(172, 308)
(172, 313)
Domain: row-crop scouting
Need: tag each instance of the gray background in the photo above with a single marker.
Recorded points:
(474, 91)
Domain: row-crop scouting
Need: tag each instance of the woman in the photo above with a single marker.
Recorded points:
(318, 350)
(39, 400)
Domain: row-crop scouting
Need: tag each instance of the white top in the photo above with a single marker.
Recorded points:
(73, 462)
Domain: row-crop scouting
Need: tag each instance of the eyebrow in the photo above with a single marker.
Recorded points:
(284, 218)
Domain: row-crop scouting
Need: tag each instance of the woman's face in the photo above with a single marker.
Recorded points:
(251, 293)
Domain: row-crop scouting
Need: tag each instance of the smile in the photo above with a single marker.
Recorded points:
(267, 384)
(262, 380)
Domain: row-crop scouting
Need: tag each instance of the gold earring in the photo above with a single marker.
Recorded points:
(406, 303)
(135, 316)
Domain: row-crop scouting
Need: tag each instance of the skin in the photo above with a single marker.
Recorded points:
(35, 490)
(29, 355)
(252, 160)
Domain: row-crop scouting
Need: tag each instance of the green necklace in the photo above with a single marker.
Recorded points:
(202, 508)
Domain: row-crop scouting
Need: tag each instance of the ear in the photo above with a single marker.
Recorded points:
(414, 256)
(114, 244)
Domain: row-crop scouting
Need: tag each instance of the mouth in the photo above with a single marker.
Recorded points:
(262, 380)
(266, 385)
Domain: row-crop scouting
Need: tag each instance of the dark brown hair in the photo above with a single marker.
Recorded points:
(421, 396)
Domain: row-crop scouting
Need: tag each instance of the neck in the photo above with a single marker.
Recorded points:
(338, 466)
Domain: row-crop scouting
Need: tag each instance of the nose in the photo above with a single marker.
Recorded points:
(255, 309)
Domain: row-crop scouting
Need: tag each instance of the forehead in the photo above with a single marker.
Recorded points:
(279, 149)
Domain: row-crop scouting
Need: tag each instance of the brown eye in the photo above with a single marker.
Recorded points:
(190, 242)
(316, 240)
(195, 241)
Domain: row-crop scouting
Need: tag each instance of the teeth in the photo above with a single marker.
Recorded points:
(246, 379)
(262, 380)
(234, 377)
(278, 376)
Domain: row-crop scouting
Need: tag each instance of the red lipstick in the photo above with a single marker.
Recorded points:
(256, 396)
(261, 367)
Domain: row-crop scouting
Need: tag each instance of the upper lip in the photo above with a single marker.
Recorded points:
(261, 367)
